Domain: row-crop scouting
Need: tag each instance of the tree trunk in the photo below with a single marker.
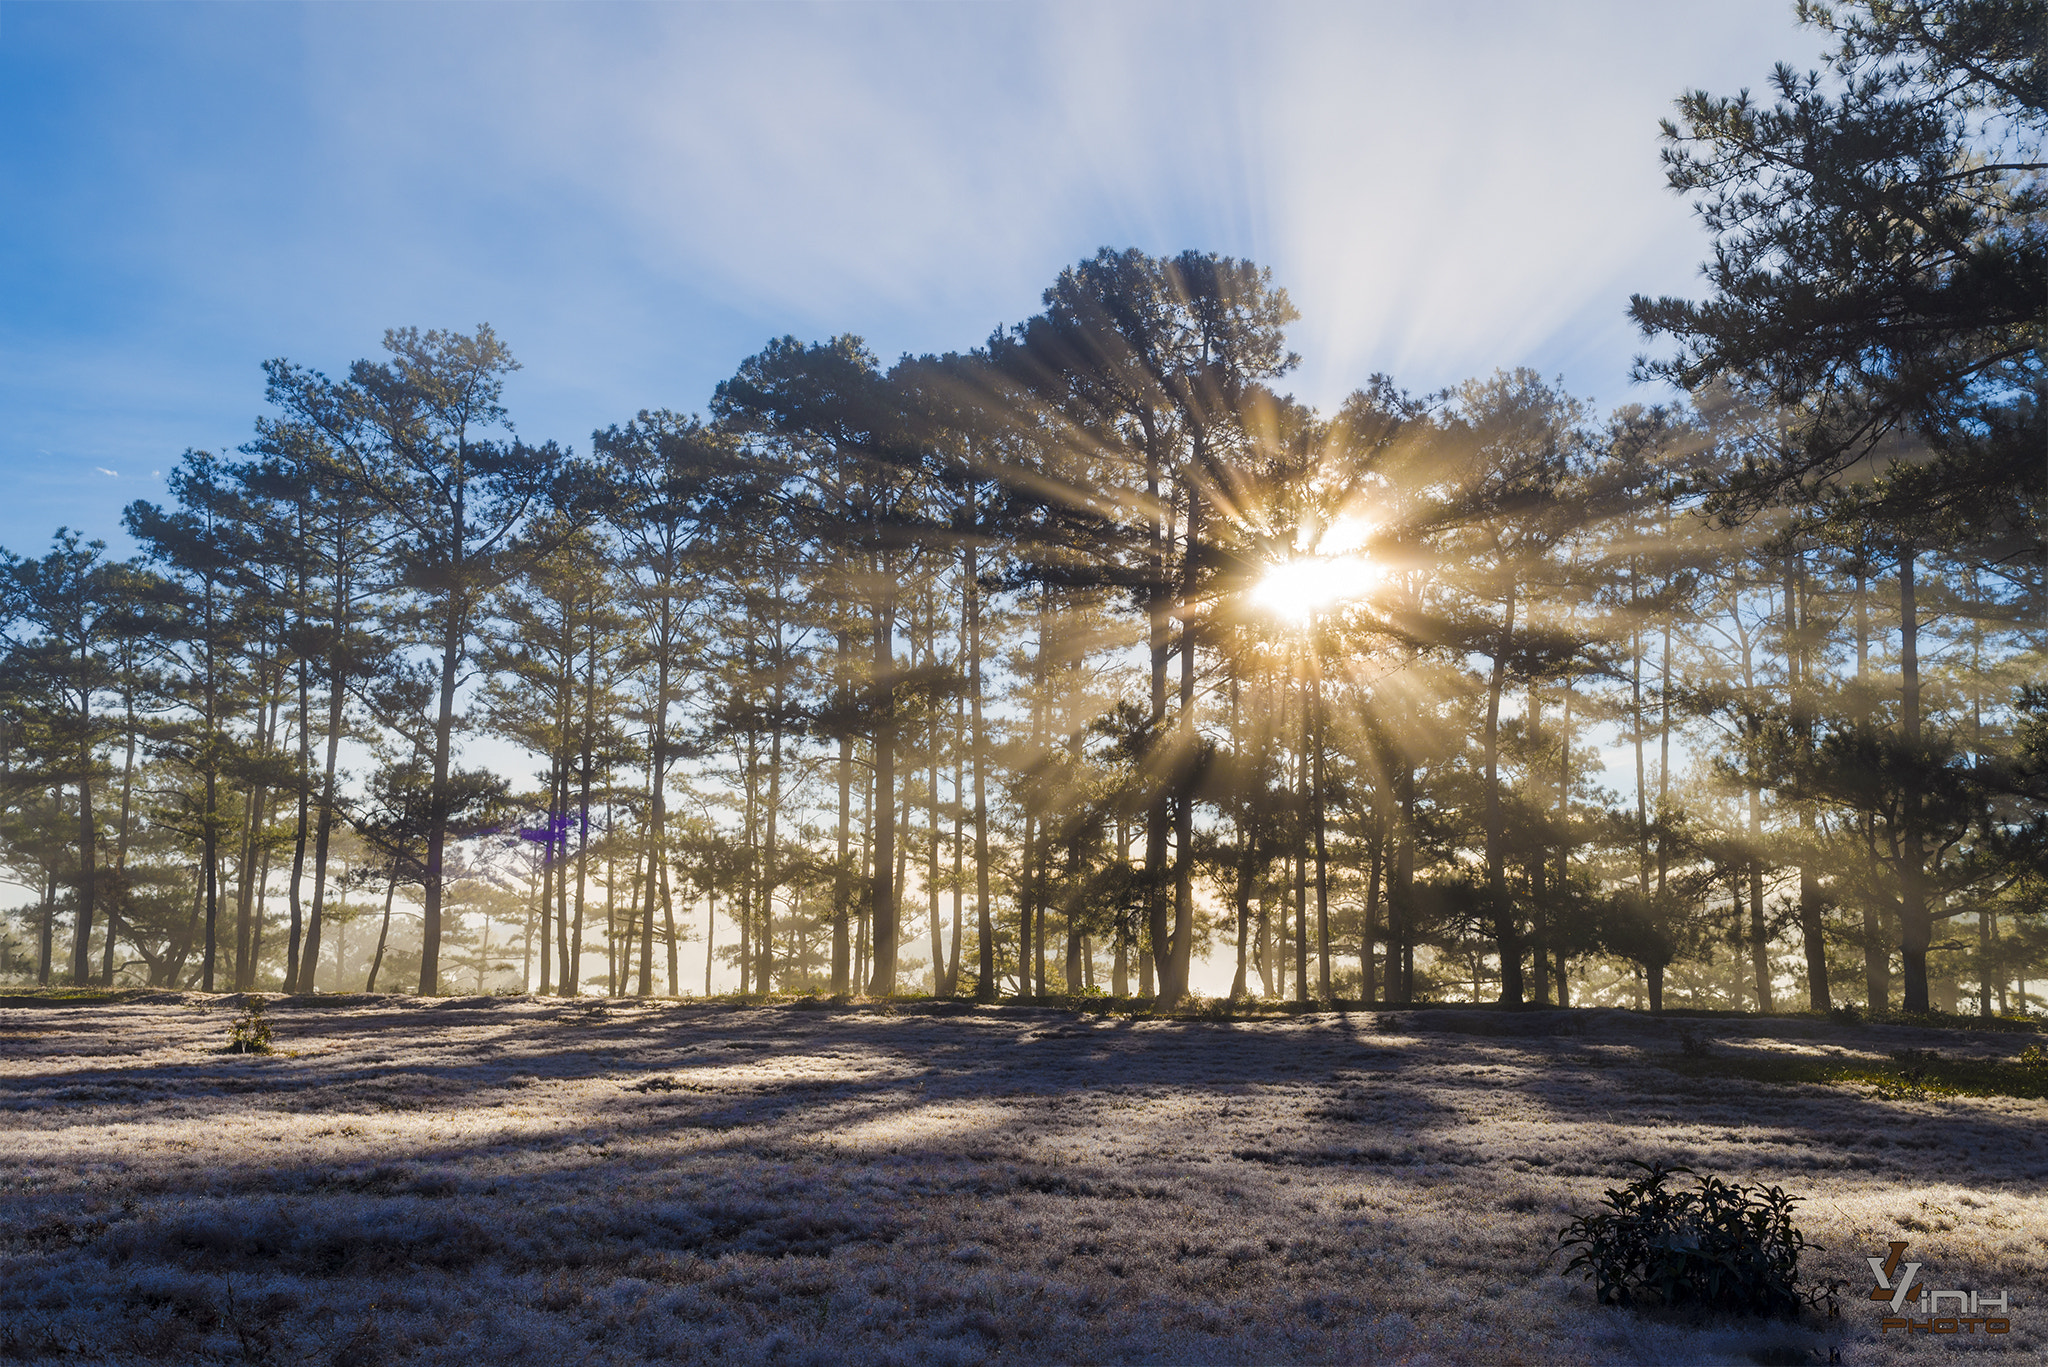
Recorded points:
(657, 804)
(931, 808)
(452, 641)
(842, 876)
(1157, 809)
(1812, 933)
(1368, 979)
(1759, 929)
(1401, 894)
(1506, 936)
(1539, 858)
(984, 913)
(882, 982)
(46, 931)
(668, 921)
(383, 931)
(325, 828)
(1175, 984)
(547, 887)
(710, 931)
(1027, 898)
(959, 847)
(1319, 815)
(1916, 915)
(121, 840)
(88, 849)
(294, 944)
(567, 971)
(1301, 856)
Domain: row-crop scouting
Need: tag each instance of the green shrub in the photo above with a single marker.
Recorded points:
(1720, 1246)
(250, 1033)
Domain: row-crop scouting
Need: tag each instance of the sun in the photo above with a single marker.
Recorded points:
(1296, 589)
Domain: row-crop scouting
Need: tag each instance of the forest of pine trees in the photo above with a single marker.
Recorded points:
(1091, 657)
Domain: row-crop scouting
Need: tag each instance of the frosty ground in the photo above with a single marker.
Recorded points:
(512, 1180)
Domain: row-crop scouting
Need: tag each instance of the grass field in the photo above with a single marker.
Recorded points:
(512, 1180)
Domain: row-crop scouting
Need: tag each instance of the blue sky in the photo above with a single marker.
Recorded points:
(638, 197)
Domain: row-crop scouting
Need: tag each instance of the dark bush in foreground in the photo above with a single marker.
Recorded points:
(1721, 1246)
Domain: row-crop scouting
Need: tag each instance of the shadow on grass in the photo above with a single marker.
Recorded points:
(1911, 1075)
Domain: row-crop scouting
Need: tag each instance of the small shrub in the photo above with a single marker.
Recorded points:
(1917, 1077)
(250, 1032)
(1721, 1246)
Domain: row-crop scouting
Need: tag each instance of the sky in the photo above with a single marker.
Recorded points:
(638, 197)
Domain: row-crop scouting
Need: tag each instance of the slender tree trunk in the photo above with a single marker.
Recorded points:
(1317, 810)
(611, 884)
(959, 855)
(262, 906)
(88, 852)
(566, 966)
(657, 803)
(668, 921)
(452, 642)
(575, 960)
(1400, 902)
(46, 930)
(1562, 897)
(1158, 813)
(1368, 980)
(294, 944)
(710, 929)
(1301, 857)
(883, 908)
(245, 885)
(548, 870)
(1877, 967)
(1539, 860)
(384, 930)
(984, 911)
(863, 927)
(1635, 656)
(1916, 916)
(1241, 811)
(1269, 977)
(771, 870)
(325, 827)
(1811, 931)
(1027, 898)
(1984, 921)
(931, 868)
(107, 965)
(842, 875)
(535, 919)
(209, 848)
(1506, 935)
(1759, 929)
(1176, 988)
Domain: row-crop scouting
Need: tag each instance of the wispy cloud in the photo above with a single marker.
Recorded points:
(638, 197)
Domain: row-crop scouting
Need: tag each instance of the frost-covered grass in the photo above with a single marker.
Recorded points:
(510, 1180)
